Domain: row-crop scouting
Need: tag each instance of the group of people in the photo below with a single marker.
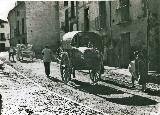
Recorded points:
(18, 51)
(139, 69)
(47, 57)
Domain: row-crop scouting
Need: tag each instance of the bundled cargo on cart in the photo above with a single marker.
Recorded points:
(25, 51)
(81, 51)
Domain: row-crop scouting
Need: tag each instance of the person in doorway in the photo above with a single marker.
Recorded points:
(47, 57)
(133, 68)
(11, 53)
(142, 71)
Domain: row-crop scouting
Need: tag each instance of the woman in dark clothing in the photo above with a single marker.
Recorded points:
(143, 71)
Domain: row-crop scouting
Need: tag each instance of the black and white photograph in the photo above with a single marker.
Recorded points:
(88, 57)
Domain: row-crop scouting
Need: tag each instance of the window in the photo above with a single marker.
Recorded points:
(72, 9)
(17, 32)
(2, 25)
(2, 47)
(124, 10)
(2, 37)
(97, 23)
(22, 25)
(65, 3)
(86, 19)
(66, 21)
(102, 13)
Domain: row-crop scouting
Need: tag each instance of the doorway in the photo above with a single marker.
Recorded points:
(124, 58)
(2, 47)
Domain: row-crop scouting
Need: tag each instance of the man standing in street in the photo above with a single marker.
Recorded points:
(11, 53)
(133, 69)
(47, 57)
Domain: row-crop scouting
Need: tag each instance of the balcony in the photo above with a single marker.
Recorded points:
(2, 37)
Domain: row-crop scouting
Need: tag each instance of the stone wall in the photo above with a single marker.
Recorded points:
(136, 26)
(16, 15)
(42, 24)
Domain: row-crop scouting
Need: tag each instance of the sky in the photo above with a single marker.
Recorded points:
(5, 7)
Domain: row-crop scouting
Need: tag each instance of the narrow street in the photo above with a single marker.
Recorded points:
(31, 90)
(22, 96)
(41, 40)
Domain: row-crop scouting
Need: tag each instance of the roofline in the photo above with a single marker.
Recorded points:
(23, 2)
(3, 21)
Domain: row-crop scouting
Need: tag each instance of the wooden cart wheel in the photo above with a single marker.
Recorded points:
(65, 68)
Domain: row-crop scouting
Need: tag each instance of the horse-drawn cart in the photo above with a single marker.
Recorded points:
(25, 51)
(81, 51)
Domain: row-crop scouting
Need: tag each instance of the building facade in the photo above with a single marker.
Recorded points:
(4, 35)
(153, 34)
(121, 23)
(128, 30)
(36, 23)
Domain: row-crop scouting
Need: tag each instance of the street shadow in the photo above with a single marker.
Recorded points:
(95, 89)
(55, 79)
(13, 61)
(148, 91)
(116, 83)
(107, 93)
(133, 101)
(153, 92)
(26, 61)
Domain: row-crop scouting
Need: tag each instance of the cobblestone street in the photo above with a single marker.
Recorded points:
(107, 98)
(22, 96)
(80, 57)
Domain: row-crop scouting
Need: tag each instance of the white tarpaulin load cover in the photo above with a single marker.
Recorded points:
(82, 49)
(69, 35)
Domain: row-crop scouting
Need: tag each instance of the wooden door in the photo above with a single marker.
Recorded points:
(125, 50)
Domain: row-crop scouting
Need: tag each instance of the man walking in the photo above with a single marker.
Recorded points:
(47, 57)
